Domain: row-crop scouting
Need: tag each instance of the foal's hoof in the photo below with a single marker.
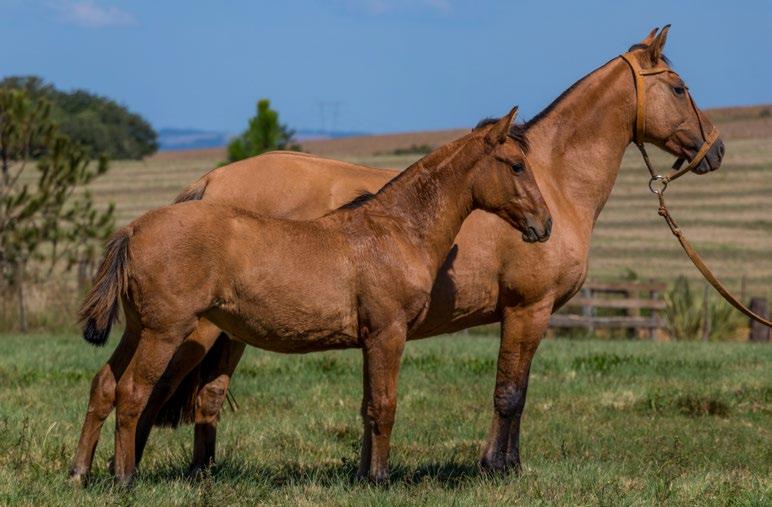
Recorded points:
(77, 478)
(111, 465)
(378, 479)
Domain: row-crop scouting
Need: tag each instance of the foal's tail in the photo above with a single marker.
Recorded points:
(100, 309)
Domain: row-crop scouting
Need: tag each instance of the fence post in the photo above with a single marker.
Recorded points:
(759, 332)
(654, 295)
(587, 309)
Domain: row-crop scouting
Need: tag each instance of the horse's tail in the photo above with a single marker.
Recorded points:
(194, 192)
(100, 309)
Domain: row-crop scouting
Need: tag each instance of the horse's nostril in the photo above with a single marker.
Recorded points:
(548, 227)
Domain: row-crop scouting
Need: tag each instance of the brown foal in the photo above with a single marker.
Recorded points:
(359, 276)
(578, 143)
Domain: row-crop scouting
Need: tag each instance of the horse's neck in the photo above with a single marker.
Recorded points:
(578, 146)
(429, 201)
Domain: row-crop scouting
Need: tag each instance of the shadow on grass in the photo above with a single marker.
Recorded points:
(448, 474)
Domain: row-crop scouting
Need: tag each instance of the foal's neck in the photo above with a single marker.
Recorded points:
(430, 199)
(578, 144)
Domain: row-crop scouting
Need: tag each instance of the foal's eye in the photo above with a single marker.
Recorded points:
(518, 168)
(679, 90)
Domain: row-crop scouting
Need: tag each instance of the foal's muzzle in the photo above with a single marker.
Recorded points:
(537, 232)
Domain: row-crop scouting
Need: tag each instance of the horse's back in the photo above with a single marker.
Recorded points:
(291, 185)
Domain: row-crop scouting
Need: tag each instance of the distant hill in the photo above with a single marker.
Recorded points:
(189, 139)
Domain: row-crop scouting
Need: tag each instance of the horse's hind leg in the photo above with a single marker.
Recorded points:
(100, 404)
(226, 355)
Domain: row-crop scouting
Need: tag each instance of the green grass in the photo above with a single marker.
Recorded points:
(632, 423)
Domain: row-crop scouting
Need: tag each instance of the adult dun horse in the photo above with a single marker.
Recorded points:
(577, 146)
(358, 277)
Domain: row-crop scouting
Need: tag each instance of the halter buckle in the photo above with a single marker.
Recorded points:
(658, 184)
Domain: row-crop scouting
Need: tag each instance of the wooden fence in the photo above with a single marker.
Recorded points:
(634, 306)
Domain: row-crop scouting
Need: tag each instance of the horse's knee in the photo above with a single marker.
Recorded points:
(381, 410)
(210, 399)
(509, 401)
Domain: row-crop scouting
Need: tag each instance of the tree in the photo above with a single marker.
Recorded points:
(264, 133)
(98, 124)
(46, 217)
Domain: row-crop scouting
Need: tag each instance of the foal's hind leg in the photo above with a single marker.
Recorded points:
(146, 369)
(227, 354)
(100, 404)
(188, 356)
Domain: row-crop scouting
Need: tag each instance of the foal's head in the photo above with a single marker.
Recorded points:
(672, 120)
(502, 182)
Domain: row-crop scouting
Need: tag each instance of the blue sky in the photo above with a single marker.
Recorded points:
(385, 65)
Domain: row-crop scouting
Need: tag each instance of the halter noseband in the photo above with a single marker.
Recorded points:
(639, 74)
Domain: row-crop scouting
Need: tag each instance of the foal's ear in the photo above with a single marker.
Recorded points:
(500, 130)
(649, 38)
(657, 45)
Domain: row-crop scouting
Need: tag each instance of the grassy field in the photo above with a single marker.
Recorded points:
(631, 423)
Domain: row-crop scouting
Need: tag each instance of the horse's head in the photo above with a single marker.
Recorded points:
(666, 114)
(502, 182)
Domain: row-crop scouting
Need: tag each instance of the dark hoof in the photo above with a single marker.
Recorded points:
(111, 465)
(500, 465)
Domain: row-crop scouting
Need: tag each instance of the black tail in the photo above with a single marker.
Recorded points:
(100, 309)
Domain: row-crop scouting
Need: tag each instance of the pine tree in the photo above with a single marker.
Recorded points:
(264, 133)
(46, 217)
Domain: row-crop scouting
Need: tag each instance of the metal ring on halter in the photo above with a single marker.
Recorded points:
(662, 184)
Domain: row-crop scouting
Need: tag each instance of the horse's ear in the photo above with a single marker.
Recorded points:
(649, 38)
(500, 130)
(657, 45)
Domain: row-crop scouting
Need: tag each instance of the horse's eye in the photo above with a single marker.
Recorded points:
(679, 90)
(518, 168)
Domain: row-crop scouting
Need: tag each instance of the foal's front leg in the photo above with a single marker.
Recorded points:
(521, 331)
(382, 351)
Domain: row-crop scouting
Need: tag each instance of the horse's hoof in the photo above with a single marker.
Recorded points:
(126, 482)
(194, 473)
(111, 465)
(500, 466)
(77, 478)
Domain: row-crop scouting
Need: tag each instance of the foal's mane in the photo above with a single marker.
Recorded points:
(516, 132)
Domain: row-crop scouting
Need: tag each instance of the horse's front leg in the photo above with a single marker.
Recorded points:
(382, 351)
(521, 331)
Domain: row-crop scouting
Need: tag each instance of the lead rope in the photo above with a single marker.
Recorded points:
(681, 237)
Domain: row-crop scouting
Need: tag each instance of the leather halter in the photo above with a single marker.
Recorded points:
(639, 75)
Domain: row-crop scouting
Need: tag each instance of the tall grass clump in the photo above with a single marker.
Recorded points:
(691, 317)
